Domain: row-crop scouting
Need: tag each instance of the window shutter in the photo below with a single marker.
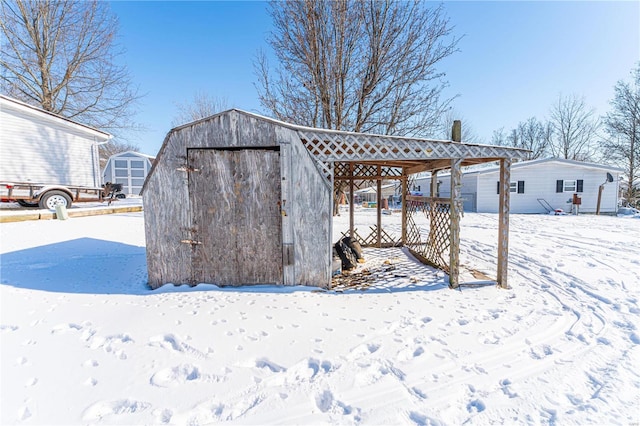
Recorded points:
(498, 187)
(579, 185)
(559, 186)
(520, 187)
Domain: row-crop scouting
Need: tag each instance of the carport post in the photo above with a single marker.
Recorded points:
(379, 205)
(503, 228)
(404, 207)
(351, 198)
(455, 212)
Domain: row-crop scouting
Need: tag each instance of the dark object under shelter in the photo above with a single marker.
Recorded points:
(240, 199)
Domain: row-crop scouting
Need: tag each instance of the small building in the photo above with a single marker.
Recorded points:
(129, 169)
(240, 199)
(537, 186)
(39, 147)
(369, 195)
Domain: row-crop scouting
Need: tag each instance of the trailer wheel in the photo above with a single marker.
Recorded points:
(52, 199)
(24, 203)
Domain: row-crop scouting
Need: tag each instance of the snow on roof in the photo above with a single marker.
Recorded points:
(494, 167)
(30, 109)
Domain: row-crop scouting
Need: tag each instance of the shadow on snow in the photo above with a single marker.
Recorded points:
(93, 266)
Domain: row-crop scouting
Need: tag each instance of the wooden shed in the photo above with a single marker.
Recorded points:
(128, 169)
(240, 199)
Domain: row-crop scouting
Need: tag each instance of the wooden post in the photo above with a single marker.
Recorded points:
(599, 199)
(434, 184)
(351, 197)
(433, 192)
(455, 212)
(286, 191)
(379, 206)
(456, 131)
(404, 207)
(503, 227)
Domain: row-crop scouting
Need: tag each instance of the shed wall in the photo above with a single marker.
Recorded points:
(166, 198)
(38, 149)
(312, 213)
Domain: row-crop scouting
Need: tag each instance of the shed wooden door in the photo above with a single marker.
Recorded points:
(234, 199)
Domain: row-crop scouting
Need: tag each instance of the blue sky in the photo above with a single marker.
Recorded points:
(515, 58)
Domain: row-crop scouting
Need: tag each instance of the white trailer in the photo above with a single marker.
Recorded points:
(46, 159)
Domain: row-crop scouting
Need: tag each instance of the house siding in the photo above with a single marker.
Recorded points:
(36, 147)
(539, 180)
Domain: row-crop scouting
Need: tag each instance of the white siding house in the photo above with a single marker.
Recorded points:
(550, 181)
(129, 169)
(37, 146)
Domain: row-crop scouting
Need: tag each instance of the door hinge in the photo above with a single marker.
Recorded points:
(192, 242)
(187, 169)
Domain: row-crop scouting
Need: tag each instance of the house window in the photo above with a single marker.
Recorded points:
(570, 185)
(516, 187)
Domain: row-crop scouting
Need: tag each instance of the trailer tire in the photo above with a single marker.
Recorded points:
(24, 203)
(51, 199)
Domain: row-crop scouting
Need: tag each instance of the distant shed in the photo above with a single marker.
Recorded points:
(241, 199)
(129, 169)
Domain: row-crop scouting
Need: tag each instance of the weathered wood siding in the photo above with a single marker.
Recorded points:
(168, 215)
(167, 219)
(312, 216)
(235, 206)
(41, 148)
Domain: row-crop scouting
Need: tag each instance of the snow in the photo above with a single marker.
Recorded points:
(84, 341)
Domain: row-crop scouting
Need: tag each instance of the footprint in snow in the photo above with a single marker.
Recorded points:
(63, 328)
(266, 363)
(102, 409)
(171, 342)
(476, 406)
(181, 374)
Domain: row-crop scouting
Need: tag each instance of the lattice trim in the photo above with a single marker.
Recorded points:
(371, 240)
(335, 146)
(435, 248)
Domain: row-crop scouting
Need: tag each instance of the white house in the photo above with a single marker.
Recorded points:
(129, 169)
(536, 186)
(37, 146)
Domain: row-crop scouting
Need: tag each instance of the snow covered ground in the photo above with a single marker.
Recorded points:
(83, 341)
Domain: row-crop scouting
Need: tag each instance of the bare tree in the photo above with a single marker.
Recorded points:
(622, 124)
(359, 65)
(499, 137)
(574, 129)
(532, 134)
(446, 121)
(114, 147)
(201, 105)
(60, 55)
